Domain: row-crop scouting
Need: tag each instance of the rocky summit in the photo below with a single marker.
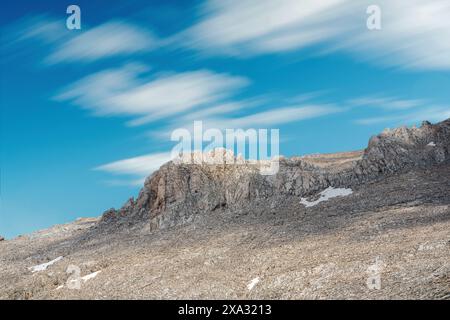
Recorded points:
(177, 192)
(370, 224)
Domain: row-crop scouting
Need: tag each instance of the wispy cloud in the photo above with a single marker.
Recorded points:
(272, 117)
(42, 28)
(123, 92)
(250, 27)
(112, 38)
(222, 109)
(389, 103)
(140, 166)
(115, 38)
(431, 113)
(398, 111)
(414, 34)
(275, 117)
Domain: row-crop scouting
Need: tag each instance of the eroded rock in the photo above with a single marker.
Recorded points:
(178, 191)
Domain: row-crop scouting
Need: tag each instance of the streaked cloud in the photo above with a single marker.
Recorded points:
(115, 38)
(389, 103)
(250, 27)
(123, 92)
(415, 34)
(431, 113)
(398, 111)
(226, 108)
(276, 116)
(140, 166)
(42, 28)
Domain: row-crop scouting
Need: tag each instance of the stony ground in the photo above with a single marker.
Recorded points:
(395, 232)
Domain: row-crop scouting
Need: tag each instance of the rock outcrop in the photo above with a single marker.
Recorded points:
(177, 192)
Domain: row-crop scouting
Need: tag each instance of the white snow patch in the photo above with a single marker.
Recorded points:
(44, 266)
(431, 144)
(326, 194)
(87, 277)
(84, 279)
(90, 276)
(253, 283)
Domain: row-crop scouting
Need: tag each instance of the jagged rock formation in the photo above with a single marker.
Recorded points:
(177, 192)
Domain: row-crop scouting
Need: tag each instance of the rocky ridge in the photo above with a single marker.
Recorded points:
(177, 192)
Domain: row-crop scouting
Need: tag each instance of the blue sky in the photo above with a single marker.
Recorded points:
(87, 114)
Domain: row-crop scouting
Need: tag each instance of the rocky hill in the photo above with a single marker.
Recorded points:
(371, 224)
(177, 192)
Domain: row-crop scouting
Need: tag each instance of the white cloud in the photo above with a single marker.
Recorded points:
(95, 91)
(414, 34)
(180, 92)
(112, 38)
(277, 116)
(432, 113)
(398, 111)
(30, 36)
(388, 103)
(115, 38)
(249, 26)
(42, 28)
(140, 166)
(269, 119)
(122, 92)
(223, 109)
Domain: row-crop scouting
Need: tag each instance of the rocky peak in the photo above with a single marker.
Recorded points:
(185, 187)
(215, 156)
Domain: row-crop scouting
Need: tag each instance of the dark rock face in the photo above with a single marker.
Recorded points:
(2, 239)
(177, 192)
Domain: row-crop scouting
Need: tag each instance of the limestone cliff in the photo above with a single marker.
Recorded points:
(177, 192)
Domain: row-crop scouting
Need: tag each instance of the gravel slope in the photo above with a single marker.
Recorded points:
(327, 251)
